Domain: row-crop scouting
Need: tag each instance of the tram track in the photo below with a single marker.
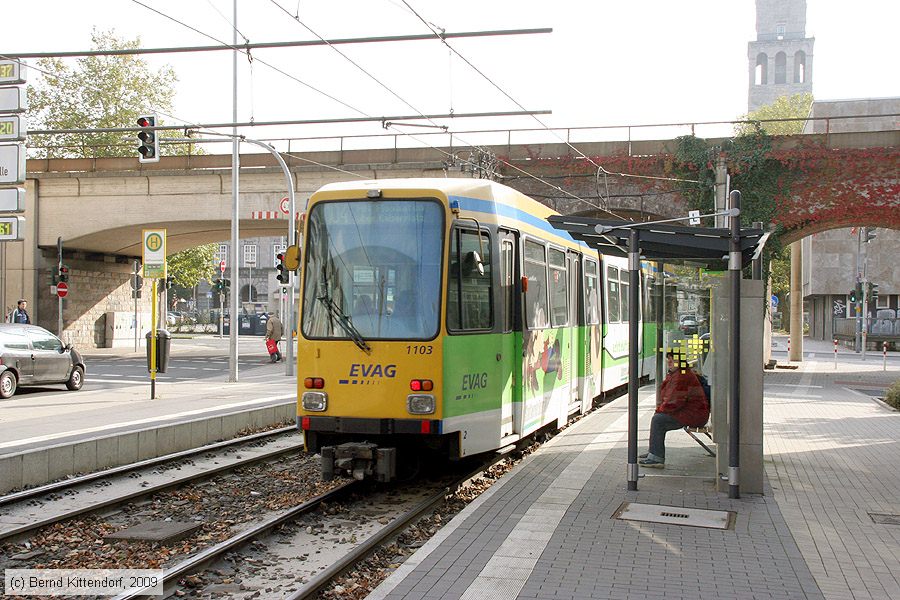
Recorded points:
(29, 510)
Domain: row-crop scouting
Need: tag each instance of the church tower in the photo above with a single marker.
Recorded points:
(781, 58)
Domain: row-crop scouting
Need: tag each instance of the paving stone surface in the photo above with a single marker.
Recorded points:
(546, 530)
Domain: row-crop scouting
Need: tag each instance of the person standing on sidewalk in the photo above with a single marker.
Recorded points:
(274, 331)
(681, 403)
(19, 314)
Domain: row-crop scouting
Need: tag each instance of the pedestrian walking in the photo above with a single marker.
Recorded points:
(19, 314)
(274, 331)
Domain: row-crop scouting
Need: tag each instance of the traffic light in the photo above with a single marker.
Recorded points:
(873, 292)
(869, 234)
(853, 296)
(283, 275)
(167, 282)
(149, 146)
(63, 274)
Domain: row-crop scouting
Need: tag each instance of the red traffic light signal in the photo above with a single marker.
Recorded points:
(283, 275)
(149, 146)
(63, 275)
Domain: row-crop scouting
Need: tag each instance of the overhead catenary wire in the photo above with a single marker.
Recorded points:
(392, 92)
(517, 103)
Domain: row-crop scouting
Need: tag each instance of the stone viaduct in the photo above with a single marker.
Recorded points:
(99, 207)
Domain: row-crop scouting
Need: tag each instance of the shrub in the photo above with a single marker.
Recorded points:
(892, 395)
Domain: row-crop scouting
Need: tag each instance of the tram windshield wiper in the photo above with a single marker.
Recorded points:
(346, 324)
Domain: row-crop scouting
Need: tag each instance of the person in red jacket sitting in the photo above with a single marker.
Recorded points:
(681, 402)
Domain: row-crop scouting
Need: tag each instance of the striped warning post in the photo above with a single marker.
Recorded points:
(265, 214)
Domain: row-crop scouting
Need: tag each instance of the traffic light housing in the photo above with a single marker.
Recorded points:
(168, 282)
(853, 296)
(148, 149)
(62, 274)
(283, 275)
(873, 292)
(869, 234)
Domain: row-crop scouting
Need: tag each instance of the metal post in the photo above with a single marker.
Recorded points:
(634, 266)
(757, 262)
(235, 212)
(59, 262)
(134, 293)
(734, 396)
(153, 343)
(884, 356)
(660, 324)
(864, 287)
(835, 353)
(857, 305)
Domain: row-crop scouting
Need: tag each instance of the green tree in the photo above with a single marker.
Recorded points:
(98, 92)
(190, 266)
(785, 107)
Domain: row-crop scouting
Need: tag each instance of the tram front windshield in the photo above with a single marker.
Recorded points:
(373, 270)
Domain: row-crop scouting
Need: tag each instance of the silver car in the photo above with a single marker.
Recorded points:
(31, 355)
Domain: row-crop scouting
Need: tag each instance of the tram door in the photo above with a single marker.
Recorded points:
(511, 344)
(572, 339)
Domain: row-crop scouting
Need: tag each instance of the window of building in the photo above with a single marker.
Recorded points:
(559, 291)
(249, 255)
(536, 295)
(223, 253)
(780, 68)
(800, 67)
(761, 73)
(779, 31)
(469, 304)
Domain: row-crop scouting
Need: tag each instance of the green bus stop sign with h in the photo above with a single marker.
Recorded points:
(154, 253)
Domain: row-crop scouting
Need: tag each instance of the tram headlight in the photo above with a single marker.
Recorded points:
(315, 401)
(420, 404)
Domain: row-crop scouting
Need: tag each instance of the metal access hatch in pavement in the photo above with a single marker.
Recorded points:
(675, 515)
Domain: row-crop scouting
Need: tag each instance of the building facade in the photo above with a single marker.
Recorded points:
(781, 57)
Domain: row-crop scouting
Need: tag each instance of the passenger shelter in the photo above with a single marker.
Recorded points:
(737, 378)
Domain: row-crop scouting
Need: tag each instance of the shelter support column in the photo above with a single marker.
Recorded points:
(634, 266)
(796, 353)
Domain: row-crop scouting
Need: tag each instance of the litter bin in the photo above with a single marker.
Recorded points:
(163, 345)
(261, 324)
(245, 325)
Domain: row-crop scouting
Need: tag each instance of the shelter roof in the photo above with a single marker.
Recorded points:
(661, 241)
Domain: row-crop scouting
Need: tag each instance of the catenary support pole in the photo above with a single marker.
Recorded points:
(734, 395)
(235, 223)
(634, 266)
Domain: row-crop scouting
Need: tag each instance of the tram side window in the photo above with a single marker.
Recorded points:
(468, 291)
(612, 294)
(625, 302)
(559, 305)
(591, 293)
(536, 296)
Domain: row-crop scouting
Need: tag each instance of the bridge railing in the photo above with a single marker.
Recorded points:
(629, 139)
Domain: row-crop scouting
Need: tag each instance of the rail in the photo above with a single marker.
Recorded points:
(876, 329)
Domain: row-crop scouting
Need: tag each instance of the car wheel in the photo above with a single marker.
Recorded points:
(76, 379)
(8, 384)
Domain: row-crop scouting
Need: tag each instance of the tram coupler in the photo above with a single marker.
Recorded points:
(359, 460)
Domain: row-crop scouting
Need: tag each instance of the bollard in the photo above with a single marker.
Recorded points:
(835, 353)
(789, 349)
(884, 356)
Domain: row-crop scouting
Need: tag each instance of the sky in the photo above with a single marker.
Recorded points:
(605, 63)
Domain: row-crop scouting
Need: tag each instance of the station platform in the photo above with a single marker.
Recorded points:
(48, 434)
(548, 529)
